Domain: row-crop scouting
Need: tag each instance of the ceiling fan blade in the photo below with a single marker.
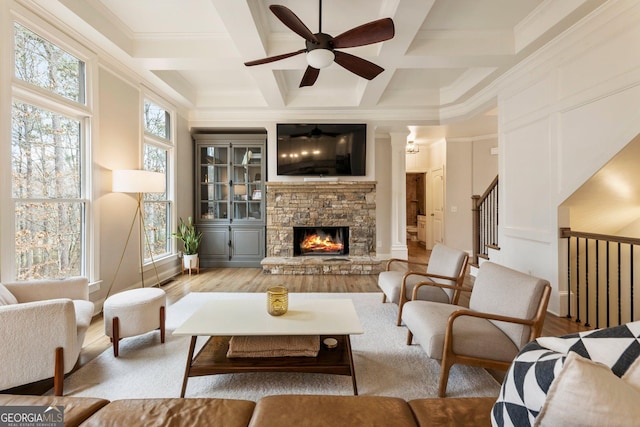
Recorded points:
(310, 76)
(372, 32)
(294, 23)
(274, 58)
(357, 65)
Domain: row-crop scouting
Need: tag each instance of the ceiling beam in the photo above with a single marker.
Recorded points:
(408, 17)
(248, 32)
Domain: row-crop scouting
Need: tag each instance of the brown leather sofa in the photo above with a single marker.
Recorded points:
(280, 410)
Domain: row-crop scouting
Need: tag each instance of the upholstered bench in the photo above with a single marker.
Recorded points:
(173, 413)
(282, 410)
(459, 411)
(334, 411)
(134, 312)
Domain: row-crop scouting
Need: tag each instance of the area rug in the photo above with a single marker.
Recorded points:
(384, 364)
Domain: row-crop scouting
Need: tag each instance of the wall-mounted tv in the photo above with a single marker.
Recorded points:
(322, 149)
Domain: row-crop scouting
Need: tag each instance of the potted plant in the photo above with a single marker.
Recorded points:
(190, 241)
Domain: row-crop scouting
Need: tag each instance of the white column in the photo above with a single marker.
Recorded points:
(398, 195)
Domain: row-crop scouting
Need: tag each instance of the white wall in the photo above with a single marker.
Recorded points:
(485, 164)
(562, 115)
(458, 194)
(470, 169)
(118, 146)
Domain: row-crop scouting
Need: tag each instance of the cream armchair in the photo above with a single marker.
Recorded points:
(42, 327)
(446, 266)
(506, 310)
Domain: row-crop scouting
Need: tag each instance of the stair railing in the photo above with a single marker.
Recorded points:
(601, 278)
(485, 222)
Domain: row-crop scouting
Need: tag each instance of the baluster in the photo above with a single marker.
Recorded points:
(569, 278)
(586, 282)
(619, 287)
(578, 280)
(487, 212)
(488, 225)
(631, 314)
(481, 231)
(493, 218)
(608, 287)
(484, 230)
(495, 222)
(597, 284)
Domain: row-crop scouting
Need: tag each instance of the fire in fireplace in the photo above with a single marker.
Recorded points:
(320, 241)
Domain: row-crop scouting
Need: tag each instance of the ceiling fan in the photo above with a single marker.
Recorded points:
(321, 47)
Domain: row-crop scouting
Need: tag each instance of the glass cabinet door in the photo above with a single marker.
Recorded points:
(214, 182)
(246, 164)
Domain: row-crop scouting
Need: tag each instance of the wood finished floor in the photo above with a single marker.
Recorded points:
(253, 280)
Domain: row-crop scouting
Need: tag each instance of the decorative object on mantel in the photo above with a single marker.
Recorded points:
(320, 47)
(412, 148)
(277, 300)
(191, 242)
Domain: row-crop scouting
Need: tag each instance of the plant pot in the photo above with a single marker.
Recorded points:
(190, 262)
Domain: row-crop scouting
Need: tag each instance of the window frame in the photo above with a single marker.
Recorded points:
(17, 90)
(168, 145)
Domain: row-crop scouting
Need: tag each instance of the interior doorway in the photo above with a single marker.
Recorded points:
(415, 191)
(436, 228)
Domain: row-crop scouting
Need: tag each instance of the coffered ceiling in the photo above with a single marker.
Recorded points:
(439, 67)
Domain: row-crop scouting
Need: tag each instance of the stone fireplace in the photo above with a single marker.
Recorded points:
(293, 208)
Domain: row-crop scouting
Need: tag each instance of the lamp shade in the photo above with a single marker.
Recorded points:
(137, 181)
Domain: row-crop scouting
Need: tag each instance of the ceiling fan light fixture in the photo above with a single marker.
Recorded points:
(320, 58)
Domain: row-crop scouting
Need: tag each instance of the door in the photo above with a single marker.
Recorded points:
(437, 206)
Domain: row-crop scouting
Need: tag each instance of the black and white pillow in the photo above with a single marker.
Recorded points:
(527, 382)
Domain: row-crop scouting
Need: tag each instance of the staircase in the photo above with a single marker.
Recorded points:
(602, 278)
(485, 224)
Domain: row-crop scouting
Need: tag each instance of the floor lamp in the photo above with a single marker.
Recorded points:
(137, 182)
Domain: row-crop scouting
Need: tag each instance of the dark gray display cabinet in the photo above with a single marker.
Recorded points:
(230, 210)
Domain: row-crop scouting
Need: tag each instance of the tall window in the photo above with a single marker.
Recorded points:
(47, 159)
(156, 158)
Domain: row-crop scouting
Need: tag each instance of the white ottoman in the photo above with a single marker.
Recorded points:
(134, 312)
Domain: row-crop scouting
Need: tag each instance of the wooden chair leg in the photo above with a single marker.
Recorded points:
(115, 331)
(401, 300)
(444, 377)
(162, 322)
(409, 338)
(58, 372)
(384, 297)
(400, 305)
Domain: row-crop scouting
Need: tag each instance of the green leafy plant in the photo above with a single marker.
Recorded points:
(190, 238)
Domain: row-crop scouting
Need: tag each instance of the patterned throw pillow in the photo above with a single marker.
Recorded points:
(529, 378)
(587, 394)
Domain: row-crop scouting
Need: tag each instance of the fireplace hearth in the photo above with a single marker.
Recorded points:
(314, 241)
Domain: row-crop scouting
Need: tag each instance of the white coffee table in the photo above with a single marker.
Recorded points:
(222, 319)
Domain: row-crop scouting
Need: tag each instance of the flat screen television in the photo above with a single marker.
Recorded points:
(322, 149)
